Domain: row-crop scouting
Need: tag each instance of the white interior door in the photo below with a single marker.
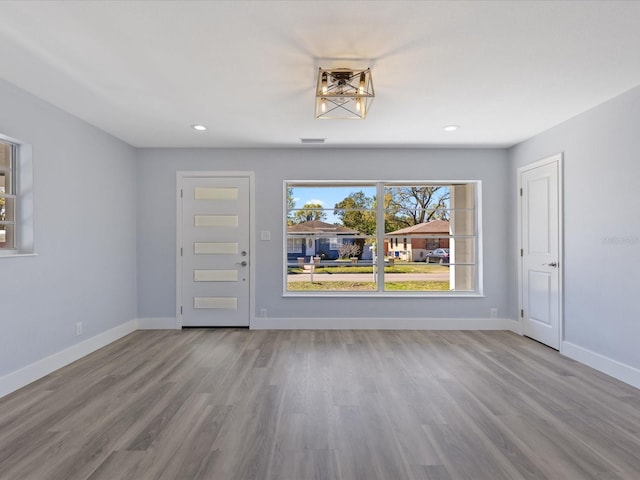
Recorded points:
(540, 254)
(215, 280)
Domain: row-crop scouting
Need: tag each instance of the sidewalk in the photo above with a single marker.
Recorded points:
(368, 277)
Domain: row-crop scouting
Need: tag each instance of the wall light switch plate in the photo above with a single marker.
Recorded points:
(265, 235)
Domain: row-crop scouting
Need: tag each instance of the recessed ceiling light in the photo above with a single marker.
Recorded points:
(200, 128)
(451, 128)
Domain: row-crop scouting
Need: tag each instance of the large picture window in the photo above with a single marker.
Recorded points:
(421, 239)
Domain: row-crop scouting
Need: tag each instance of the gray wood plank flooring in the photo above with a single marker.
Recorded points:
(234, 404)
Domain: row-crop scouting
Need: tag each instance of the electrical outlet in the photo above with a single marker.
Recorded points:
(265, 235)
(493, 312)
(78, 329)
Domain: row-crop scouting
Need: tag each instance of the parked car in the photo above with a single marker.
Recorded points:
(439, 255)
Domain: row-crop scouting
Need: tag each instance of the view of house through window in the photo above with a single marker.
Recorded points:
(7, 196)
(422, 237)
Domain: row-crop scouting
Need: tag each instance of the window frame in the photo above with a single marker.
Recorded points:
(11, 201)
(23, 208)
(380, 185)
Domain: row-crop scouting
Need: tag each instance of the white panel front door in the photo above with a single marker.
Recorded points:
(215, 281)
(540, 282)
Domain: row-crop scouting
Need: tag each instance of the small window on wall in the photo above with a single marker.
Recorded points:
(422, 239)
(16, 198)
(7, 197)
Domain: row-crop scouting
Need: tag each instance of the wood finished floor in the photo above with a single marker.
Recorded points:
(235, 404)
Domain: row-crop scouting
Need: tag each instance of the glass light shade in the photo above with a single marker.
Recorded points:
(344, 93)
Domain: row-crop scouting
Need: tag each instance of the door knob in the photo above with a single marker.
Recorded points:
(242, 263)
(552, 264)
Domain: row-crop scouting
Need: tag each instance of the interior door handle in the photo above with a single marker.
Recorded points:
(242, 263)
(552, 264)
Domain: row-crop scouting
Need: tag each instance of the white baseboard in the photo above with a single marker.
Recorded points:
(24, 376)
(169, 323)
(297, 323)
(621, 371)
(516, 327)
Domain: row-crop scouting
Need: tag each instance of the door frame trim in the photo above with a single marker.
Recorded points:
(180, 176)
(558, 160)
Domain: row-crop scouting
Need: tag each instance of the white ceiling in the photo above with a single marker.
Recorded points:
(144, 71)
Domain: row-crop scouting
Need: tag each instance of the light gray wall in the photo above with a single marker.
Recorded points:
(601, 224)
(157, 222)
(89, 207)
(85, 231)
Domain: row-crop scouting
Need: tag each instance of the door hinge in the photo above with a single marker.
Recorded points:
(180, 193)
(180, 251)
(521, 313)
(520, 192)
(522, 252)
(180, 309)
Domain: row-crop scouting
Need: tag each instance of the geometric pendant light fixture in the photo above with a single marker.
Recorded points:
(344, 93)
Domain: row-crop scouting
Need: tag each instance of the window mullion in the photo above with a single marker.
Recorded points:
(380, 228)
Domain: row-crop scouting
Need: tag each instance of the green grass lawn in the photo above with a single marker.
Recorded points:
(331, 286)
(367, 286)
(406, 268)
(417, 286)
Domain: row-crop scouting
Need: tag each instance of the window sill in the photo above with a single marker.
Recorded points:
(421, 295)
(17, 254)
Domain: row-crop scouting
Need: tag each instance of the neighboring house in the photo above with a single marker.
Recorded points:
(415, 242)
(317, 238)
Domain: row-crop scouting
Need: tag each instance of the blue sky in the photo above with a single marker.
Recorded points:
(327, 197)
